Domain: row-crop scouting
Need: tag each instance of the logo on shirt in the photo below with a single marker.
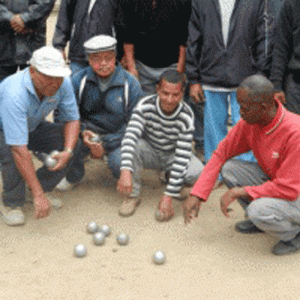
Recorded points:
(275, 155)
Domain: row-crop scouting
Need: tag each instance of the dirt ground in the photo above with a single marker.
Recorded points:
(205, 260)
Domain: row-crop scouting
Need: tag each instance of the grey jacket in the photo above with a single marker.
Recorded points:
(16, 49)
(76, 24)
(208, 61)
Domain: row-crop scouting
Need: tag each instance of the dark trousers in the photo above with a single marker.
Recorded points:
(293, 93)
(46, 138)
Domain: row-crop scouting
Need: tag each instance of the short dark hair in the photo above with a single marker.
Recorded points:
(258, 85)
(173, 76)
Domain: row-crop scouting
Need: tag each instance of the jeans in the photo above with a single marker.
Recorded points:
(45, 138)
(77, 171)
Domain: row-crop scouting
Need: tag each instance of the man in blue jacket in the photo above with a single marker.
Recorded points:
(106, 95)
(227, 42)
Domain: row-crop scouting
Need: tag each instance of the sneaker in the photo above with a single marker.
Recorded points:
(129, 206)
(287, 247)
(246, 226)
(54, 201)
(12, 216)
(65, 185)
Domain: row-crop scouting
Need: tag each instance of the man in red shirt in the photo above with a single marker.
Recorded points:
(269, 189)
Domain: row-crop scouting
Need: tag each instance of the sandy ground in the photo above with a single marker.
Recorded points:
(206, 260)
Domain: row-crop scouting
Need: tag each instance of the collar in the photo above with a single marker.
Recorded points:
(276, 120)
(173, 115)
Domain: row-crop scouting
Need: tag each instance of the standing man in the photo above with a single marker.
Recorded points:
(22, 30)
(159, 136)
(106, 95)
(79, 21)
(226, 43)
(26, 98)
(268, 189)
(285, 72)
(154, 34)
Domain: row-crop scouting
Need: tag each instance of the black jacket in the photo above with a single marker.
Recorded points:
(286, 54)
(156, 32)
(16, 49)
(76, 26)
(208, 61)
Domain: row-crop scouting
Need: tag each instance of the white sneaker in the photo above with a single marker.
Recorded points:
(64, 185)
(12, 216)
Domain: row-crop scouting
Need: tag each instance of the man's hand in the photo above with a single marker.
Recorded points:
(124, 185)
(41, 206)
(196, 92)
(62, 160)
(17, 24)
(165, 209)
(96, 149)
(229, 197)
(191, 208)
(279, 96)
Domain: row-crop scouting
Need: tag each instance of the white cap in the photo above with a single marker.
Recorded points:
(50, 61)
(100, 43)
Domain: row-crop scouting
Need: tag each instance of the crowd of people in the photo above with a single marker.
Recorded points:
(148, 84)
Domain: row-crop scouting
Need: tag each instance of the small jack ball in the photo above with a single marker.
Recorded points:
(105, 229)
(80, 250)
(99, 238)
(123, 239)
(51, 162)
(159, 257)
(92, 227)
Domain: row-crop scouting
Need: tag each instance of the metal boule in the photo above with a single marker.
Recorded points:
(123, 239)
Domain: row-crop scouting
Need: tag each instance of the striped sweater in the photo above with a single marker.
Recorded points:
(163, 132)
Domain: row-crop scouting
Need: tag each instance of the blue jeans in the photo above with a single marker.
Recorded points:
(216, 118)
(46, 138)
(77, 171)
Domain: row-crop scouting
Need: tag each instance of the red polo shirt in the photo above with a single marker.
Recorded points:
(276, 148)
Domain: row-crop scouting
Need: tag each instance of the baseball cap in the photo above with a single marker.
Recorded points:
(100, 43)
(50, 61)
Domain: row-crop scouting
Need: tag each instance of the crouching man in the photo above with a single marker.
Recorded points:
(159, 136)
(26, 98)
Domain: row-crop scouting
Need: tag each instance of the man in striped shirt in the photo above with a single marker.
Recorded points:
(159, 136)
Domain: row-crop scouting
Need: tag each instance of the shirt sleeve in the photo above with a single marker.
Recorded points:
(67, 106)
(235, 143)
(133, 133)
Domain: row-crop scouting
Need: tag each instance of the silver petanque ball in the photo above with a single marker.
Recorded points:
(95, 139)
(123, 239)
(51, 162)
(159, 257)
(105, 229)
(99, 238)
(80, 250)
(92, 227)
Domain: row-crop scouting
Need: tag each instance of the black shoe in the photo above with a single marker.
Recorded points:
(283, 248)
(246, 227)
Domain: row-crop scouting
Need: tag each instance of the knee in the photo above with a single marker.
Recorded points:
(260, 210)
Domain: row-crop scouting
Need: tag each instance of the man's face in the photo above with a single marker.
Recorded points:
(103, 63)
(250, 111)
(170, 95)
(46, 86)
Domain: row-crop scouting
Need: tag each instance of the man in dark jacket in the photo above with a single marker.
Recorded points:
(22, 31)
(226, 44)
(79, 21)
(285, 72)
